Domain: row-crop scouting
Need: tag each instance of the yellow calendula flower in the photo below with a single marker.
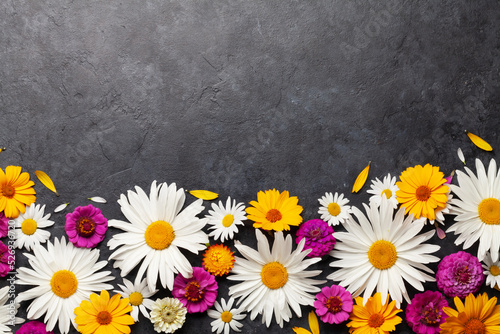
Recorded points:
(104, 315)
(274, 210)
(16, 191)
(422, 191)
(218, 260)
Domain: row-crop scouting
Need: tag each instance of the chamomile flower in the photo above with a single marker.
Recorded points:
(224, 220)
(29, 227)
(156, 231)
(63, 276)
(138, 296)
(387, 187)
(334, 208)
(491, 271)
(273, 281)
(226, 317)
(6, 311)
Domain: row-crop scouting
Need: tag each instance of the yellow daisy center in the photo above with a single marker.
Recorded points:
(8, 191)
(474, 326)
(159, 235)
(273, 215)
(135, 298)
(168, 315)
(376, 320)
(104, 318)
(28, 226)
(382, 254)
(489, 211)
(218, 260)
(333, 209)
(63, 283)
(192, 291)
(334, 304)
(226, 316)
(85, 227)
(423, 193)
(387, 193)
(227, 220)
(274, 275)
(494, 270)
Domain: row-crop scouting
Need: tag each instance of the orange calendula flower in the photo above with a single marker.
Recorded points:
(218, 260)
(422, 190)
(104, 315)
(16, 191)
(274, 210)
(479, 315)
(374, 317)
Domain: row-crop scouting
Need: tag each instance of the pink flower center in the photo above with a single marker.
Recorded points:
(431, 315)
(315, 233)
(192, 291)
(85, 227)
(462, 275)
(334, 304)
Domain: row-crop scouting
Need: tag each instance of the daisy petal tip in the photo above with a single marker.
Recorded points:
(97, 199)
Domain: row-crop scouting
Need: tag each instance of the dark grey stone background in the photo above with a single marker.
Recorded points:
(241, 96)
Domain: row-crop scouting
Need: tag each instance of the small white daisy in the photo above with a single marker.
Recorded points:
(492, 271)
(167, 315)
(225, 220)
(387, 187)
(226, 317)
(334, 208)
(273, 281)
(29, 227)
(138, 295)
(6, 315)
(63, 276)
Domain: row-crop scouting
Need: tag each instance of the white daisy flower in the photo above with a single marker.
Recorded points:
(273, 281)
(138, 295)
(491, 271)
(477, 209)
(64, 275)
(387, 188)
(226, 317)
(29, 227)
(155, 233)
(167, 315)
(334, 209)
(6, 312)
(381, 252)
(225, 220)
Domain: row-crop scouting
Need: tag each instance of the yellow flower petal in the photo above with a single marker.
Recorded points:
(479, 142)
(361, 179)
(46, 181)
(204, 194)
(313, 323)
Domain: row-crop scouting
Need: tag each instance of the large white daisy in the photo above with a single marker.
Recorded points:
(226, 317)
(387, 188)
(8, 311)
(155, 233)
(224, 221)
(29, 227)
(63, 276)
(380, 252)
(334, 208)
(477, 209)
(138, 295)
(274, 281)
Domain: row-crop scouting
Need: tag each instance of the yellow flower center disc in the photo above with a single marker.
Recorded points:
(489, 211)
(159, 235)
(135, 298)
(168, 315)
(227, 220)
(423, 193)
(274, 275)
(28, 226)
(273, 215)
(104, 318)
(494, 270)
(226, 316)
(382, 254)
(474, 326)
(376, 320)
(64, 283)
(387, 193)
(333, 209)
(8, 191)
(334, 304)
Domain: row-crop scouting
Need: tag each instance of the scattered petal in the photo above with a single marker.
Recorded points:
(2, 149)
(204, 194)
(46, 181)
(440, 232)
(97, 199)
(361, 179)
(61, 207)
(449, 178)
(479, 142)
(461, 155)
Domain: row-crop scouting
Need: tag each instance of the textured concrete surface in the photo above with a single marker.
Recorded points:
(242, 96)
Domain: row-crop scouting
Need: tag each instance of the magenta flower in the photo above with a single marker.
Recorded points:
(86, 226)
(33, 327)
(459, 274)
(333, 304)
(4, 225)
(197, 293)
(4, 260)
(318, 235)
(425, 313)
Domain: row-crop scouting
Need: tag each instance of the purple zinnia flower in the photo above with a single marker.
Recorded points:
(4, 259)
(425, 313)
(459, 274)
(333, 304)
(33, 327)
(86, 226)
(4, 225)
(319, 237)
(197, 293)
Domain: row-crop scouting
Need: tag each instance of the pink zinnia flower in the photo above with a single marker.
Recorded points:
(197, 293)
(333, 304)
(33, 327)
(86, 226)
(425, 313)
(4, 225)
(459, 274)
(4, 260)
(318, 235)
